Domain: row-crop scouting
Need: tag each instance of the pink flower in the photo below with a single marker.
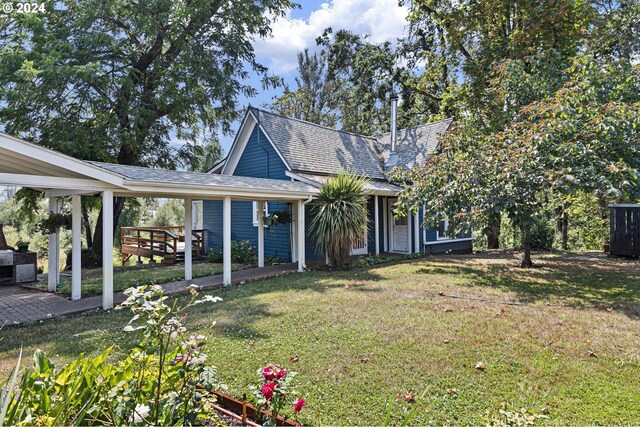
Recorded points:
(268, 373)
(299, 405)
(267, 390)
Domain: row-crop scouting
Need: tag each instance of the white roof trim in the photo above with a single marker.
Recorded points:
(54, 158)
(625, 205)
(240, 143)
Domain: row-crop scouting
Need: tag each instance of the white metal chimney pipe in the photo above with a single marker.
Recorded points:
(393, 156)
(394, 121)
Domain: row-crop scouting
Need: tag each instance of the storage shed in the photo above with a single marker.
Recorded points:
(625, 229)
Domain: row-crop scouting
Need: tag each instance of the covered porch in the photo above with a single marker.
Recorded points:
(59, 176)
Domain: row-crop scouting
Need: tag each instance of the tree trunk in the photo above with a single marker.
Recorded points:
(526, 243)
(562, 225)
(97, 235)
(603, 206)
(565, 229)
(493, 237)
(87, 227)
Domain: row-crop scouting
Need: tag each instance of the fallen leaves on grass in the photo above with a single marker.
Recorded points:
(409, 397)
(294, 359)
(480, 366)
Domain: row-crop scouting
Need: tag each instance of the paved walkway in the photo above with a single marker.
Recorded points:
(18, 305)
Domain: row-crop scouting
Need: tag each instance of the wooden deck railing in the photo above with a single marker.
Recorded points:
(159, 241)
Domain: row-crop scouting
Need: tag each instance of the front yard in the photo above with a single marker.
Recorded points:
(561, 339)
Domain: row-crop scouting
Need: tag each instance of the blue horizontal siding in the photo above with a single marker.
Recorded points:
(465, 246)
(260, 160)
(276, 237)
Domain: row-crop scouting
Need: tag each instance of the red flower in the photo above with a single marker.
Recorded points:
(268, 373)
(267, 390)
(298, 406)
(281, 373)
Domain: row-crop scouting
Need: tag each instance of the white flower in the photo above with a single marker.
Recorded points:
(140, 413)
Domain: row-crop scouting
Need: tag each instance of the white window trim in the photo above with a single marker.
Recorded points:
(194, 214)
(255, 212)
(446, 229)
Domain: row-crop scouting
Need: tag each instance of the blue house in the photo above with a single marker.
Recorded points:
(272, 146)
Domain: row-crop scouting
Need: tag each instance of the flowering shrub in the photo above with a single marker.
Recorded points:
(276, 392)
(164, 379)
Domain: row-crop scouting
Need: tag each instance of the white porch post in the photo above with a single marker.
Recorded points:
(385, 225)
(376, 227)
(294, 240)
(409, 245)
(226, 241)
(54, 250)
(107, 249)
(260, 233)
(188, 239)
(300, 235)
(76, 247)
(416, 232)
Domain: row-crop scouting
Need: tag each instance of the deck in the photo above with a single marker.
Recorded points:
(165, 242)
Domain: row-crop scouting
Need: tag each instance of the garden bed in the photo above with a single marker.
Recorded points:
(246, 413)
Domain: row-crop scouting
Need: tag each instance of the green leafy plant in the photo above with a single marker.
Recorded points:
(514, 418)
(53, 222)
(164, 380)
(276, 391)
(339, 215)
(279, 217)
(242, 252)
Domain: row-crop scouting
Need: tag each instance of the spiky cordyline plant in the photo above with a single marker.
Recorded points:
(339, 215)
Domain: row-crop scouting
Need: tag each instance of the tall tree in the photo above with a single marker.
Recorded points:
(310, 101)
(583, 138)
(111, 80)
(495, 57)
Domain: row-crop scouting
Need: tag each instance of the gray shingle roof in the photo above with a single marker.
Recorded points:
(372, 186)
(318, 149)
(414, 144)
(136, 173)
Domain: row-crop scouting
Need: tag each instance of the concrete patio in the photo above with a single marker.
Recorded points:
(19, 305)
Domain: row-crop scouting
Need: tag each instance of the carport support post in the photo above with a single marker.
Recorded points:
(376, 228)
(226, 241)
(260, 233)
(188, 238)
(409, 233)
(54, 250)
(300, 236)
(385, 222)
(76, 247)
(416, 231)
(107, 249)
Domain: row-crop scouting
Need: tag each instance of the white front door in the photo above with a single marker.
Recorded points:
(399, 231)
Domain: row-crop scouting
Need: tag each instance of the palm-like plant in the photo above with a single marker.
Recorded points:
(339, 215)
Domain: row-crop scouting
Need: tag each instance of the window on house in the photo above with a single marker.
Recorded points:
(196, 215)
(255, 212)
(443, 229)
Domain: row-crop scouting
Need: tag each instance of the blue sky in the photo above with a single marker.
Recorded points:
(382, 20)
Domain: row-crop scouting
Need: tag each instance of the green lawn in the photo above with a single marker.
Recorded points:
(127, 277)
(561, 338)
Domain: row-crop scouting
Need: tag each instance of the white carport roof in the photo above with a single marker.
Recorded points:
(28, 165)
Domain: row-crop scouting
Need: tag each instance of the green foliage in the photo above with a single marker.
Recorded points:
(339, 216)
(242, 252)
(164, 379)
(53, 222)
(207, 156)
(515, 418)
(169, 213)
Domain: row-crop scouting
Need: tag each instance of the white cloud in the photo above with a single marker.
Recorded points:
(382, 19)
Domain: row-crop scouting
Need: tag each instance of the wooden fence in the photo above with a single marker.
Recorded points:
(624, 230)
